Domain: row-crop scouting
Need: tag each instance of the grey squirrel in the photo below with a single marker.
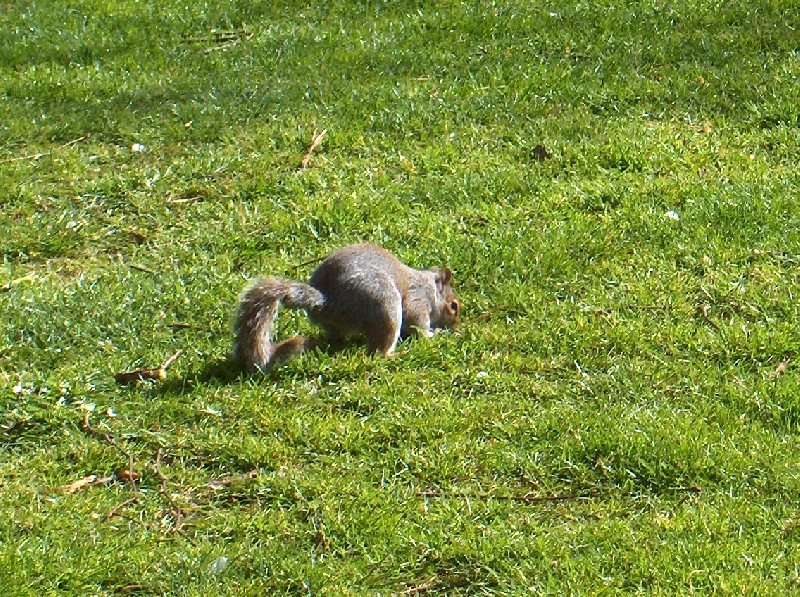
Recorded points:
(359, 289)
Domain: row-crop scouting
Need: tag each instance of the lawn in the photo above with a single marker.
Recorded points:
(615, 187)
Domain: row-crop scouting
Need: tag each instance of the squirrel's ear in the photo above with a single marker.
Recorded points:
(444, 276)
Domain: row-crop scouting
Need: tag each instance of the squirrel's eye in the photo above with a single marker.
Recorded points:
(454, 307)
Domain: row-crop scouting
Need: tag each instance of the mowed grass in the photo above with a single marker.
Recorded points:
(619, 410)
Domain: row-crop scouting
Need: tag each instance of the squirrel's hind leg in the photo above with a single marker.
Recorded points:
(383, 341)
(383, 337)
(285, 351)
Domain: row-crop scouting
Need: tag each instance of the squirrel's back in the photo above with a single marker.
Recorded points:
(358, 269)
(364, 286)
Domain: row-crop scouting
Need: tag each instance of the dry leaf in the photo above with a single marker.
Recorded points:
(127, 377)
(780, 369)
(89, 481)
(126, 475)
(78, 485)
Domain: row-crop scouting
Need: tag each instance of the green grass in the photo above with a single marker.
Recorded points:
(584, 368)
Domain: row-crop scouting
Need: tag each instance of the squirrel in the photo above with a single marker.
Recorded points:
(358, 290)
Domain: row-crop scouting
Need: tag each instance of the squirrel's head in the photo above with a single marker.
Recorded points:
(450, 304)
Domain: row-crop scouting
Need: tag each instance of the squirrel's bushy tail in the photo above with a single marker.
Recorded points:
(258, 308)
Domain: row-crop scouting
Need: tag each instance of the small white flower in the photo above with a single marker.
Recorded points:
(138, 148)
(673, 215)
(482, 374)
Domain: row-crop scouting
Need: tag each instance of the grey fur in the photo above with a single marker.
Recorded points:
(358, 290)
(258, 309)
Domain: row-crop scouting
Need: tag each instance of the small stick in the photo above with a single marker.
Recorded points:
(159, 372)
(33, 156)
(309, 262)
(141, 268)
(157, 469)
(183, 326)
(176, 511)
(703, 310)
(7, 287)
(185, 200)
(138, 237)
(106, 436)
(316, 139)
(131, 476)
(74, 141)
(36, 156)
(90, 481)
(115, 511)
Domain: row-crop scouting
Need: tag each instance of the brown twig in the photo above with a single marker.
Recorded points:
(141, 268)
(115, 510)
(316, 139)
(160, 372)
(181, 200)
(177, 513)
(704, 310)
(687, 491)
(308, 262)
(157, 469)
(131, 475)
(185, 326)
(74, 141)
(533, 499)
(88, 481)
(138, 237)
(36, 156)
(7, 286)
(33, 156)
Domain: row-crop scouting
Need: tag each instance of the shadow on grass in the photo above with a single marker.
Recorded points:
(224, 371)
(218, 372)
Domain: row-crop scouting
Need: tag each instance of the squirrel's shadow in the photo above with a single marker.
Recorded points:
(224, 371)
(220, 371)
